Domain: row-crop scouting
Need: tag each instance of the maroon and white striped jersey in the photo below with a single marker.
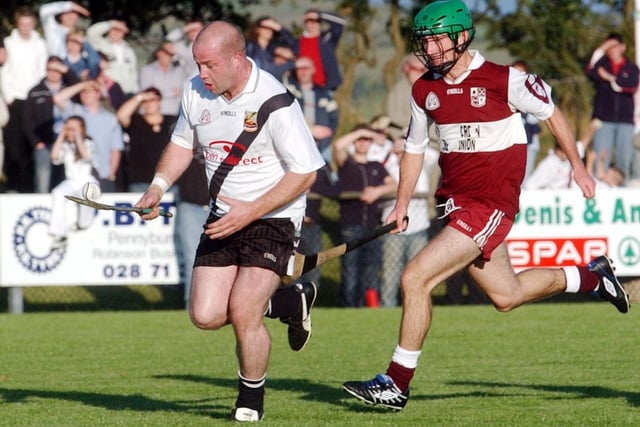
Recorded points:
(479, 128)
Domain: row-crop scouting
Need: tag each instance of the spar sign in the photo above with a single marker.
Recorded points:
(558, 228)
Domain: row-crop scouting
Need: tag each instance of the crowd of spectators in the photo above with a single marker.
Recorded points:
(59, 46)
(57, 64)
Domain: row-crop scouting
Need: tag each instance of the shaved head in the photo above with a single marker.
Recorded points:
(219, 51)
(224, 36)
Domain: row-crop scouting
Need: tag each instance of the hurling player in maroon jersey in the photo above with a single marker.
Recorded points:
(476, 107)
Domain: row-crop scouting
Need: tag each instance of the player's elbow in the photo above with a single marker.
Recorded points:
(504, 305)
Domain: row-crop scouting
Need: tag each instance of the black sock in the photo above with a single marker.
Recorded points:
(285, 303)
(251, 393)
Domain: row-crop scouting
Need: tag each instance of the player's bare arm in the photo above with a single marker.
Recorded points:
(242, 213)
(173, 162)
(560, 129)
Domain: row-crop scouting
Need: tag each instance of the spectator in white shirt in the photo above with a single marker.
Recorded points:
(58, 18)
(108, 37)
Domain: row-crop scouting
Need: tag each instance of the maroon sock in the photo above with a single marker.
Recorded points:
(400, 375)
(588, 279)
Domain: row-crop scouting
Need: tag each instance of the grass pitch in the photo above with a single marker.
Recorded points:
(543, 365)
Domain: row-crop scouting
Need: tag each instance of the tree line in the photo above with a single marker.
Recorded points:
(555, 37)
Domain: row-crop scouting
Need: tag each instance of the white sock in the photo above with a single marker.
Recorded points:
(406, 358)
(572, 275)
(252, 383)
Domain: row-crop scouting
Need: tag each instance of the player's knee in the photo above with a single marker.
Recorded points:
(205, 321)
(412, 281)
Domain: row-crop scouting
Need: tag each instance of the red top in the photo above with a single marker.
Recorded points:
(310, 47)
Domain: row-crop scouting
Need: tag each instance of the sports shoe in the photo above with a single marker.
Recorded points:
(379, 391)
(247, 414)
(609, 287)
(299, 330)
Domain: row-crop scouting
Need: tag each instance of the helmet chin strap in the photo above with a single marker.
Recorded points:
(444, 68)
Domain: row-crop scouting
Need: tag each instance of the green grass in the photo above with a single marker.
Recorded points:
(542, 365)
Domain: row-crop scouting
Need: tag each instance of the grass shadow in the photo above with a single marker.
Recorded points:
(578, 391)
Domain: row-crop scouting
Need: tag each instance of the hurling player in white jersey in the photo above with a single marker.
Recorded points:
(260, 160)
(476, 107)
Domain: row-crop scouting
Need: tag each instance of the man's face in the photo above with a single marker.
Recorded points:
(439, 48)
(54, 75)
(217, 69)
(68, 19)
(90, 96)
(616, 51)
(25, 25)
(304, 71)
(311, 23)
(74, 46)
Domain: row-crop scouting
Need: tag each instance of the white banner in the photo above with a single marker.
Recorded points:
(557, 228)
(117, 249)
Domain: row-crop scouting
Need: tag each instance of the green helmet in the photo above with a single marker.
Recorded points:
(449, 17)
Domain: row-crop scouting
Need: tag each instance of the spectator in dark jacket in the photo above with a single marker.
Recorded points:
(318, 105)
(42, 122)
(320, 45)
(616, 80)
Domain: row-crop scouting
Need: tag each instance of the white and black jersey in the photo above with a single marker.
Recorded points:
(282, 144)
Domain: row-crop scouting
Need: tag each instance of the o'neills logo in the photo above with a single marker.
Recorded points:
(29, 233)
(250, 124)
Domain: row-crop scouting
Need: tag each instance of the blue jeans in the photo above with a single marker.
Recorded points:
(311, 243)
(190, 218)
(398, 249)
(617, 139)
(41, 170)
(360, 267)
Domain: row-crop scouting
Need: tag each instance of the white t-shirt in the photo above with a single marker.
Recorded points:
(284, 144)
(418, 209)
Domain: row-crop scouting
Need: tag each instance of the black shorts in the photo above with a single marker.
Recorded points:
(266, 243)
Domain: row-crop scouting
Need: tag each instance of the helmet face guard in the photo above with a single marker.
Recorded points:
(419, 49)
(449, 17)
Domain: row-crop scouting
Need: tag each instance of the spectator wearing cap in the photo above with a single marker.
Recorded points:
(81, 57)
(108, 37)
(166, 76)
(320, 44)
(318, 105)
(58, 19)
(362, 183)
(615, 78)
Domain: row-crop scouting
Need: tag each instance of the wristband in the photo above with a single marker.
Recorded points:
(160, 182)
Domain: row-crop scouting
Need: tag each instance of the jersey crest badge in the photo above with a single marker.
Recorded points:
(205, 117)
(535, 86)
(250, 124)
(478, 97)
(433, 102)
